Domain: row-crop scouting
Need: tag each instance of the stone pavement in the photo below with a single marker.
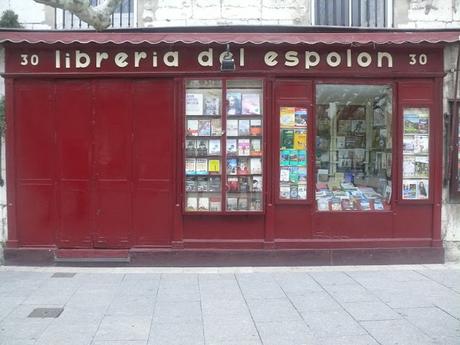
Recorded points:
(364, 305)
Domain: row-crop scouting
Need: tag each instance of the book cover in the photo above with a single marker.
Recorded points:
(190, 148)
(190, 184)
(244, 147)
(422, 189)
(322, 204)
(214, 147)
(242, 167)
(232, 204)
(232, 147)
(201, 166)
(192, 127)
(421, 166)
(323, 175)
(243, 127)
(250, 104)
(255, 127)
(411, 122)
(216, 127)
(202, 148)
(256, 183)
(287, 116)
(301, 117)
(300, 140)
(192, 204)
(302, 191)
(190, 166)
(409, 189)
(285, 191)
(256, 165)
(421, 144)
(231, 166)
(302, 172)
(214, 184)
(214, 166)
(293, 174)
(284, 174)
(378, 205)
(423, 125)
(194, 104)
(204, 128)
(256, 204)
(233, 103)
(294, 192)
(244, 184)
(242, 204)
(214, 204)
(232, 128)
(203, 204)
(293, 158)
(408, 166)
(211, 105)
(233, 184)
(256, 149)
(284, 157)
(287, 138)
(301, 158)
(202, 184)
(336, 204)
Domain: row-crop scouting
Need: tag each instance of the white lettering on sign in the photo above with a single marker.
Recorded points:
(138, 56)
(292, 58)
(79, 56)
(270, 58)
(205, 58)
(100, 57)
(171, 59)
(120, 60)
(334, 59)
(241, 57)
(311, 59)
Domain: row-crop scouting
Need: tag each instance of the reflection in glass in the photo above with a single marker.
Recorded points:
(353, 147)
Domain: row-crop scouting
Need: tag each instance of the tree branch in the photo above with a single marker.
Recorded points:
(98, 16)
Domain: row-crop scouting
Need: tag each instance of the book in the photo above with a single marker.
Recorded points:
(256, 203)
(214, 166)
(256, 149)
(293, 192)
(287, 117)
(232, 128)
(214, 147)
(408, 166)
(302, 172)
(190, 166)
(201, 166)
(242, 167)
(250, 104)
(192, 127)
(202, 148)
(301, 158)
(422, 189)
(256, 183)
(293, 174)
(323, 175)
(244, 184)
(216, 127)
(190, 148)
(204, 128)
(340, 142)
(211, 105)
(202, 184)
(421, 166)
(302, 191)
(300, 139)
(233, 184)
(242, 204)
(300, 117)
(284, 174)
(293, 158)
(214, 204)
(256, 165)
(243, 147)
(231, 166)
(285, 191)
(255, 127)
(233, 103)
(190, 184)
(243, 127)
(409, 189)
(322, 204)
(193, 104)
(232, 204)
(284, 157)
(421, 144)
(287, 138)
(214, 184)
(192, 204)
(232, 147)
(203, 204)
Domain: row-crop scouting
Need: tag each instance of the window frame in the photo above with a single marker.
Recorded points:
(453, 146)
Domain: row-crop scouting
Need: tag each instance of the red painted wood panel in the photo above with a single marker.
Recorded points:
(112, 165)
(154, 137)
(73, 108)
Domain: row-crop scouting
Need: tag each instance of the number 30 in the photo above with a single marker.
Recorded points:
(33, 59)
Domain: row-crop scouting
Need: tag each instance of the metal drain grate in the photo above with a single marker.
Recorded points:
(46, 312)
(63, 275)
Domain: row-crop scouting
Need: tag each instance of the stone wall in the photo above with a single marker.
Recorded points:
(426, 14)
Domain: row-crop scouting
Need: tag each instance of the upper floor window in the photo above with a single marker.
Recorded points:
(123, 17)
(359, 13)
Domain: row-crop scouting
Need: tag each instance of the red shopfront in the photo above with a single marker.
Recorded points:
(136, 143)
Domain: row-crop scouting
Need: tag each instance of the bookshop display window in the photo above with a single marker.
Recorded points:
(224, 146)
(353, 147)
(416, 129)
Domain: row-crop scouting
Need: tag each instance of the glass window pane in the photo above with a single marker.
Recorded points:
(353, 147)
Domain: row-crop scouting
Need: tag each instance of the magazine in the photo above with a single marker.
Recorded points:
(251, 104)
(194, 104)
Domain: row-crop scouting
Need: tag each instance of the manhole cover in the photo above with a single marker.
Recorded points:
(63, 275)
(46, 312)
